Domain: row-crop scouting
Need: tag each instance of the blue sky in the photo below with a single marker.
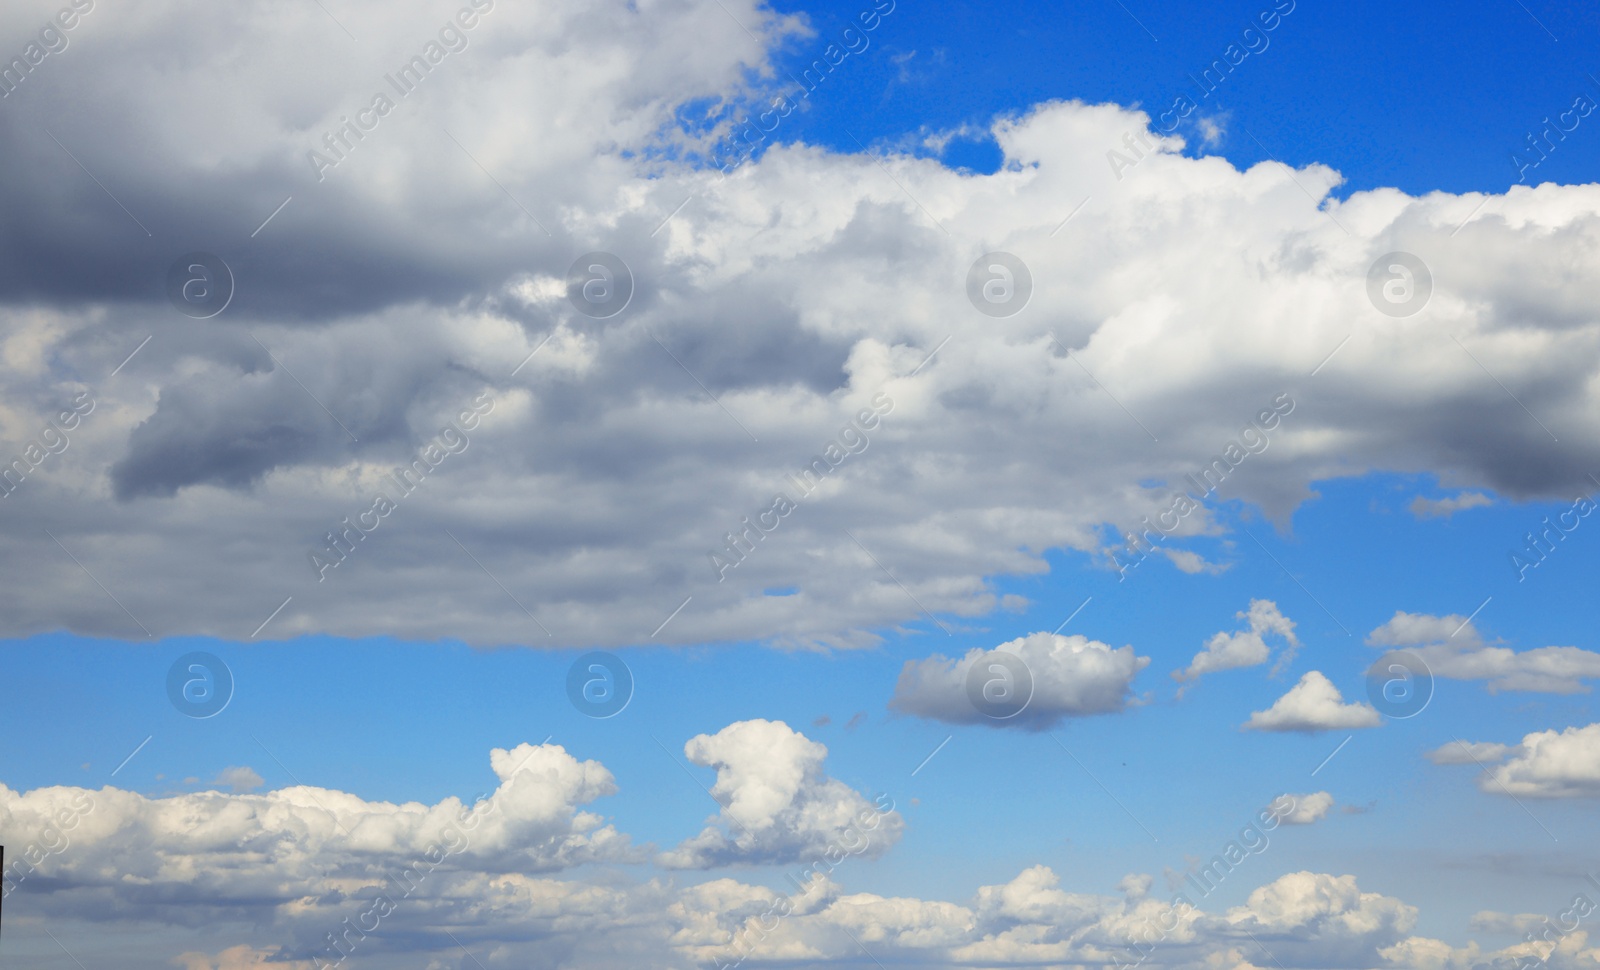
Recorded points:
(400, 721)
(1195, 287)
(1431, 99)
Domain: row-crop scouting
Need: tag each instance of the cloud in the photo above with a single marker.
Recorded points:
(1490, 921)
(262, 910)
(1307, 904)
(1245, 648)
(1213, 129)
(1073, 676)
(778, 805)
(1444, 508)
(1313, 704)
(1309, 808)
(1452, 648)
(1547, 764)
(1469, 753)
(1410, 629)
(233, 853)
(1193, 563)
(1569, 951)
(240, 957)
(238, 779)
(405, 282)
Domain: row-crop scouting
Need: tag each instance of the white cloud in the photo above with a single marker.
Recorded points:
(260, 915)
(1193, 563)
(1212, 129)
(1452, 648)
(1073, 676)
(1410, 629)
(224, 851)
(1318, 903)
(1547, 764)
(778, 804)
(1309, 808)
(1313, 704)
(1444, 508)
(1567, 952)
(1245, 648)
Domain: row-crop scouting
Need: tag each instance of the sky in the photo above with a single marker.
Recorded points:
(701, 484)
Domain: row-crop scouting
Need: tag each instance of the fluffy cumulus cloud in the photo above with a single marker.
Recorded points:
(230, 853)
(1308, 808)
(778, 806)
(421, 261)
(1032, 921)
(1247, 647)
(1328, 916)
(1313, 704)
(1071, 676)
(1551, 947)
(311, 877)
(1453, 648)
(1547, 764)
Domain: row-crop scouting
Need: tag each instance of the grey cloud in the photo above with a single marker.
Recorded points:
(793, 290)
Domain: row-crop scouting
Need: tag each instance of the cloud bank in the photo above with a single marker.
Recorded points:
(768, 310)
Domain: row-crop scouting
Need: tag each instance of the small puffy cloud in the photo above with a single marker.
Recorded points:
(1453, 648)
(778, 804)
(1313, 704)
(1247, 647)
(1213, 129)
(1192, 562)
(1469, 753)
(238, 778)
(1444, 508)
(1073, 676)
(1412, 629)
(1308, 808)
